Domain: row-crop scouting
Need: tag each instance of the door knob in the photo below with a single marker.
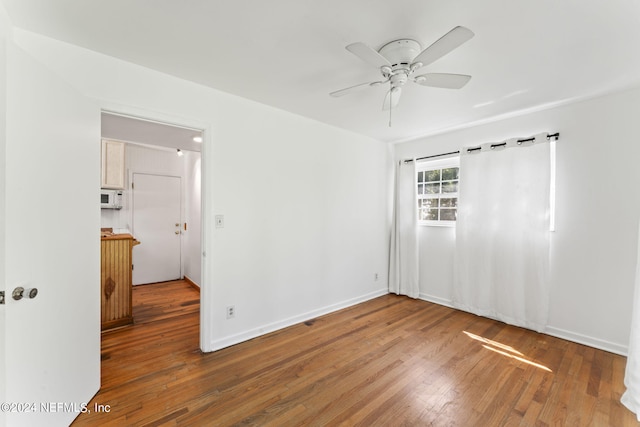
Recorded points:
(17, 293)
(20, 292)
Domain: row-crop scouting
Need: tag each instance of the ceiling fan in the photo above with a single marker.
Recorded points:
(398, 61)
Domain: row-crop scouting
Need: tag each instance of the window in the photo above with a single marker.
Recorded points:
(437, 189)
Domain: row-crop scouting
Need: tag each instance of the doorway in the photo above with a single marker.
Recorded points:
(162, 162)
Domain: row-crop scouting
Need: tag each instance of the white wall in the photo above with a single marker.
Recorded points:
(305, 204)
(594, 248)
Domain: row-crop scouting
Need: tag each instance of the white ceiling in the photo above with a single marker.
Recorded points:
(290, 53)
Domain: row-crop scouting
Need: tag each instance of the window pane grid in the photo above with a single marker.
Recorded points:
(437, 191)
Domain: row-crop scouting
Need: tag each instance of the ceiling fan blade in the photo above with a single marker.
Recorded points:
(443, 80)
(444, 45)
(368, 55)
(348, 90)
(392, 98)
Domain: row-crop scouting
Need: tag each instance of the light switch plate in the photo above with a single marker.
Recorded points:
(219, 221)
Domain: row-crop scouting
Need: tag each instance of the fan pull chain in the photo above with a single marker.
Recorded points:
(390, 104)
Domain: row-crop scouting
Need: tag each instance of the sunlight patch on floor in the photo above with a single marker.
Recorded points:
(504, 350)
(521, 359)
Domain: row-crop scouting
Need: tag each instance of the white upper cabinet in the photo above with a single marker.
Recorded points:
(112, 172)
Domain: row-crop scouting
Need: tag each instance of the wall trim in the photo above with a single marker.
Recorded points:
(193, 284)
(436, 300)
(281, 324)
(597, 343)
(611, 347)
(551, 331)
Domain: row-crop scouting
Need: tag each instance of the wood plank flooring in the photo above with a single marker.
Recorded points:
(390, 361)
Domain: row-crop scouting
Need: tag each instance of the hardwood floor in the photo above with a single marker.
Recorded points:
(387, 362)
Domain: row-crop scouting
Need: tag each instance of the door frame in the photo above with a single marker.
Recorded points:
(206, 202)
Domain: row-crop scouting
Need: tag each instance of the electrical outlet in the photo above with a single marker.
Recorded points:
(375, 276)
(231, 312)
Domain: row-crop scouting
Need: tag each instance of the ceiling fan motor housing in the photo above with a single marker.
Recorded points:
(400, 53)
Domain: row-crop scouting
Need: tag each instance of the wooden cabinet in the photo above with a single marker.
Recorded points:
(115, 280)
(113, 167)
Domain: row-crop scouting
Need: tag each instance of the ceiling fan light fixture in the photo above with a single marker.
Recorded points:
(399, 79)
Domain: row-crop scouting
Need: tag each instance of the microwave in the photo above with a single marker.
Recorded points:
(111, 199)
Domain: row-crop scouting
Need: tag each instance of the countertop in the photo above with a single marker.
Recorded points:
(111, 236)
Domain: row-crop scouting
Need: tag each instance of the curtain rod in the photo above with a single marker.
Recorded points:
(554, 135)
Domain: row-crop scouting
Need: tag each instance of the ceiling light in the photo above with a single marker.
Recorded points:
(180, 153)
(197, 139)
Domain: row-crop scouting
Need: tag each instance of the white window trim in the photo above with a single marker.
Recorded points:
(443, 163)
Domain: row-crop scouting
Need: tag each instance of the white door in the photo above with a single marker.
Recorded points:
(157, 225)
(51, 343)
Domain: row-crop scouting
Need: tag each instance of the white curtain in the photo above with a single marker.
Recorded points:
(403, 254)
(631, 397)
(502, 232)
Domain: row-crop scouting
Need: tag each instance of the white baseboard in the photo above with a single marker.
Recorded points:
(271, 327)
(554, 332)
(191, 282)
(587, 340)
(436, 300)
